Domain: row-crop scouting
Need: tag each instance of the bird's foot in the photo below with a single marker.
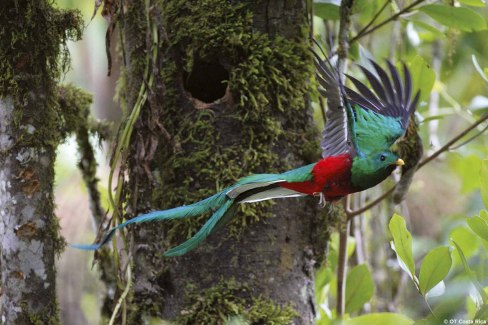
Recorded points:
(322, 201)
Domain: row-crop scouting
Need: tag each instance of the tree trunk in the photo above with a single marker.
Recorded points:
(31, 39)
(28, 229)
(229, 98)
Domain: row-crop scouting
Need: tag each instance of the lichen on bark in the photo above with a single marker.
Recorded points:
(33, 54)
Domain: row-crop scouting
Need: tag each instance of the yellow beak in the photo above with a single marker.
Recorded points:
(399, 162)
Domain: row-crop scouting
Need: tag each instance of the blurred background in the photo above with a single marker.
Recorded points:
(442, 195)
(80, 291)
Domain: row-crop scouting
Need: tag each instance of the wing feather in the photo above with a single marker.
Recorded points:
(388, 101)
(408, 85)
(398, 87)
(392, 95)
(362, 100)
(374, 82)
(385, 81)
(383, 115)
(335, 137)
(367, 94)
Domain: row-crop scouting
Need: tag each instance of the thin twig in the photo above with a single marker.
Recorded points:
(343, 51)
(310, 18)
(374, 19)
(434, 95)
(386, 21)
(444, 148)
(448, 145)
(342, 263)
(471, 138)
(123, 296)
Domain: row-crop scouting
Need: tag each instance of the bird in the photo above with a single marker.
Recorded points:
(361, 127)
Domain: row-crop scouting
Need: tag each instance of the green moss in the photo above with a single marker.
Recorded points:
(34, 44)
(74, 103)
(49, 316)
(229, 301)
(268, 80)
(53, 231)
(33, 55)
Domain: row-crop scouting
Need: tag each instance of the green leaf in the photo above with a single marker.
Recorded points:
(474, 3)
(484, 215)
(322, 277)
(479, 225)
(402, 240)
(380, 319)
(427, 31)
(462, 256)
(461, 18)
(423, 76)
(478, 68)
(482, 313)
(473, 303)
(434, 268)
(468, 242)
(470, 273)
(359, 288)
(484, 182)
(467, 169)
(327, 10)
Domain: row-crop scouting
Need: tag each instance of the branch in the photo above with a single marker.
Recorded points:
(471, 138)
(345, 24)
(342, 263)
(448, 145)
(365, 28)
(386, 21)
(444, 148)
(343, 51)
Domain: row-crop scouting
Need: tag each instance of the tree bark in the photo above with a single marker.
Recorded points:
(26, 228)
(195, 137)
(32, 56)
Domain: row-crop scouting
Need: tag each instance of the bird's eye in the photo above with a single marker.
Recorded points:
(382, 157)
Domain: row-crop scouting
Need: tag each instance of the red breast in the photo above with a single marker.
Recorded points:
(331, 176)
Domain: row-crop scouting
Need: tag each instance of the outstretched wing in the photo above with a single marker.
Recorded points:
(338, 136)
(382, 116)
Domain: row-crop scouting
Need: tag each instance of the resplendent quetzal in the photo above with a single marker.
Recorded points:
(361, 127)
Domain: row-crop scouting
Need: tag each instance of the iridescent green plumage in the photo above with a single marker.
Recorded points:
(380, 132)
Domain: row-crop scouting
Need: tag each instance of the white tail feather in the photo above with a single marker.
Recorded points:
(274, 193)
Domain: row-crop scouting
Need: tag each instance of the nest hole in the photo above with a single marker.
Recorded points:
(207, 81)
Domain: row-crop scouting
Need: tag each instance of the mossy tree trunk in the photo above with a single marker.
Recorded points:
(32, 35)
(229, 98)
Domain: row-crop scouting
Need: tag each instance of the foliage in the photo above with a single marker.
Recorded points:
(359, 287)
(380, 319)
(462, 18)
(402, 244)
(447, 270)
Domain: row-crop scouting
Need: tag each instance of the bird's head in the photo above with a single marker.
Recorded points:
(369, 170)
